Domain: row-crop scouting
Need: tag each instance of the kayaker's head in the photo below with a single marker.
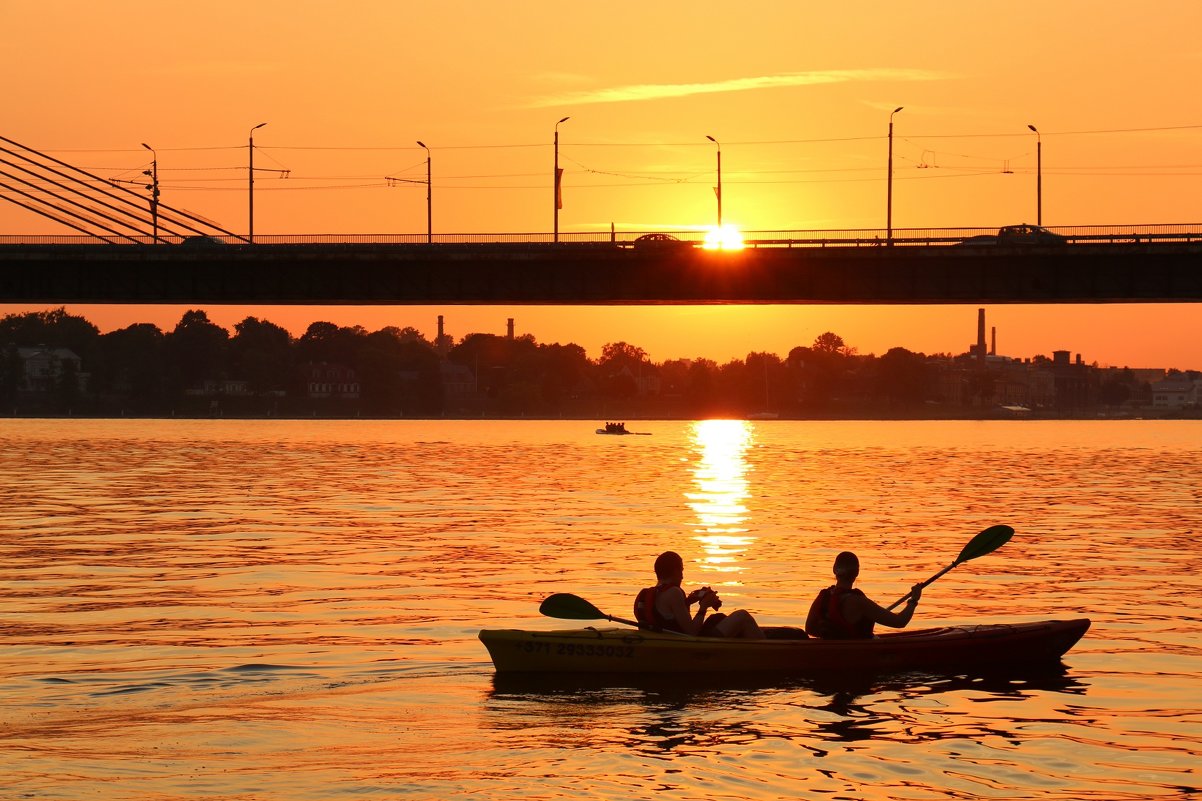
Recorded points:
(847, 566)
(669, 567)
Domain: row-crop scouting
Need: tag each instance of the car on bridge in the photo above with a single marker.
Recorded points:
(201, 241)
(1021, 235)
(657, 241)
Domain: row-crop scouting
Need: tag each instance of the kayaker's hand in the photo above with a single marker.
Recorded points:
(915, 594)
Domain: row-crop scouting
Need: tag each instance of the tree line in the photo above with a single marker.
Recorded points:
(259, 369)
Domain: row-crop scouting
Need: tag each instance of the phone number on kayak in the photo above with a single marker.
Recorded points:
(578, 649)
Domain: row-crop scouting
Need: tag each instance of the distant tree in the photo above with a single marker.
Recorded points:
(398, 374)
(622, 354)
(703, 382)
(406, 334)
(132, 368)
(674, 377)
(489, 356)
(55, 328)
(563, 369)
(902, 377)
(764, 382)
(326, 342)
(197, 349)
(832, 344)
(11, 371)
(261, 353)
(67, 393)
(821, 368)
(620, 368)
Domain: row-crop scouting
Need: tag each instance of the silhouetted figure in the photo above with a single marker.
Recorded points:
(665, 607)
(841, 612)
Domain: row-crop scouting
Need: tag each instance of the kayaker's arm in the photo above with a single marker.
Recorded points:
(884, 617)
(677, 608)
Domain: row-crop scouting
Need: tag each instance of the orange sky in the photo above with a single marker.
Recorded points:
(799, 95)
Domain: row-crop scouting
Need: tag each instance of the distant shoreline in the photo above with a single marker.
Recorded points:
(1135, 416)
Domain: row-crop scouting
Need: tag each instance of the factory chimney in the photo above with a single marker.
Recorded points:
(440, 344)
(981, 335)
(993, 341)
(510, 328)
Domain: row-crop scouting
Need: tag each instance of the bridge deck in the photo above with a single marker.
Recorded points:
(601, 273)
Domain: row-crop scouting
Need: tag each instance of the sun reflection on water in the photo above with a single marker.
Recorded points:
(721, 489)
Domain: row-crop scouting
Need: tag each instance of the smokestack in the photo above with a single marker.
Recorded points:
(440, 332)
(993, 341)
(510, 328)
(440, 344)
(981, 334)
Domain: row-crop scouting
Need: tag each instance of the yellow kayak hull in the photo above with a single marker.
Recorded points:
(628, 650)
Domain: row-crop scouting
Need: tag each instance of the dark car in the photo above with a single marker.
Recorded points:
(202, 241)
(660, 241)
(1018, 236)
(1027, 234)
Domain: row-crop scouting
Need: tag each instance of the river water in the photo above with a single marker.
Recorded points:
(289, 609)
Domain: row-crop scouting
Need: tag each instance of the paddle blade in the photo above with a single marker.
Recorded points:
(570, 607)
(987, 541)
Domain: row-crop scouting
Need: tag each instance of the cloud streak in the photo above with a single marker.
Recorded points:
(656, 91)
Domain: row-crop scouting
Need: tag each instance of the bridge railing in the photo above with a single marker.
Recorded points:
(1172, 232)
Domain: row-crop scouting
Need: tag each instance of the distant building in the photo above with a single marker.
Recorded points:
(326, 380)
(225, 387)
(1175, 393)
(1148, 375)
(42, 368)
(1072, 381)
(645, 384)
(458, 381)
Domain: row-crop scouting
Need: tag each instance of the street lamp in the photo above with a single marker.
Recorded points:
(251, 191)
(718, 191)
(557, 177)
(429, 200)
(1038, 176)
(889, 182)
(153, 172)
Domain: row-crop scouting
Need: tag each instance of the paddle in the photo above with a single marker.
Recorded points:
(987, 541)
(573, 607)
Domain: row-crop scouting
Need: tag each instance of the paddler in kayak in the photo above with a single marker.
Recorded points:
(665, 607)
(842, 612)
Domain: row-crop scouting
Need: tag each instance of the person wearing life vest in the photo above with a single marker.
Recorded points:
(666, 607)
(842, 612)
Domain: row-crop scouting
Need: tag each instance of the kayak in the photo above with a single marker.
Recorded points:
(625, 650)
(624, 433)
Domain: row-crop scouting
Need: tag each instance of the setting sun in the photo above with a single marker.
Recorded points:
(728, 237)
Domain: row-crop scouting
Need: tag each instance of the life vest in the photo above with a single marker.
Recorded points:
(649, 617)
(645, 611)
(826, 618)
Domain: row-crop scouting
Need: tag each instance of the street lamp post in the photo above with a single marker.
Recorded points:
(429, 199)
(1038, 176)
(889, 184)
(250, 233)
(153, 172)
(556, 177)
(718, 191)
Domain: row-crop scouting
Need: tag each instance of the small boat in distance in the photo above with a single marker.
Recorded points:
(620, 429)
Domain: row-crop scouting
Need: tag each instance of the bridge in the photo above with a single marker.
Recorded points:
(140, 250)
(1145, 264)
